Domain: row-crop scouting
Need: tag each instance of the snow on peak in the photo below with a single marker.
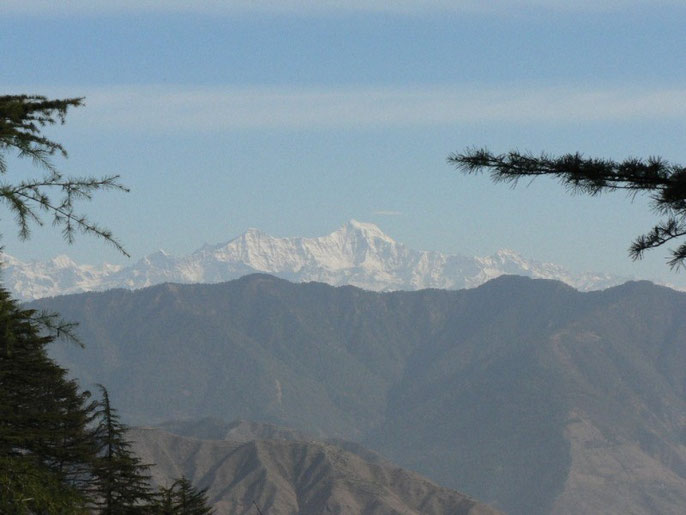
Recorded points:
(509, 254)
(368, 231)
(62, 261)
(364, 226)
(358, 253)
(253, 232)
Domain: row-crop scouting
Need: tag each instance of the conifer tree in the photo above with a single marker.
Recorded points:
(181, 498)
(664, 182)
(46, 443)
(122, 481)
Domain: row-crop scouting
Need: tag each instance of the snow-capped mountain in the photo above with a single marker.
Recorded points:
(358, 254)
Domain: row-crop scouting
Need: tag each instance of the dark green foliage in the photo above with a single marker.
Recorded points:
(664, 182)
(22, 117)
(181, 498)
(122, 481)
(28, 488)
(46, 446)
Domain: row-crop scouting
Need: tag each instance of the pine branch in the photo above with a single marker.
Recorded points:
(658, 236)
(589, 175)
(27, 198)
(22, 118)
(56, 327)
(663, 181)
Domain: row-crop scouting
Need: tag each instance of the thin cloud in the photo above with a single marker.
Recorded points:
(173, 109)
(96, 7)
(387, 213)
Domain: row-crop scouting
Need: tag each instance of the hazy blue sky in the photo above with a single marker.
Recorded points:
(295, 116)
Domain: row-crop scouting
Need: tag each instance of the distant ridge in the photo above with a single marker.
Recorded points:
(358, 254)
(285, 474)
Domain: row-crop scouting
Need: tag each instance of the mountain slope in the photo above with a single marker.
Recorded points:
(291, 476)
(212, 428)
(524, 393)
(583, 387)
(357, 254)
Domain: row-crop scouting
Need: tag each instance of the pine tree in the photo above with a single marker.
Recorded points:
(122, 481)
(181, 498)
(46, 443)
(664, 182)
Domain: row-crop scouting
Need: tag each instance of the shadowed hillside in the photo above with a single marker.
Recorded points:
(291, 476)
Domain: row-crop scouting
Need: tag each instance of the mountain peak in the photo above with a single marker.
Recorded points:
(158, 257)
(253, 231)
(367, 229)
(62, 261)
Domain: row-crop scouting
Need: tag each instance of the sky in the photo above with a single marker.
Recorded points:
(296, 116)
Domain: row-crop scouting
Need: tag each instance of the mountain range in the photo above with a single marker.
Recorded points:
(357, 254)
(526, 394)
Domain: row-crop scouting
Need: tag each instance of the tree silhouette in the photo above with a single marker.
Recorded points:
(46, 441)
(181, 498)
(122, 481)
